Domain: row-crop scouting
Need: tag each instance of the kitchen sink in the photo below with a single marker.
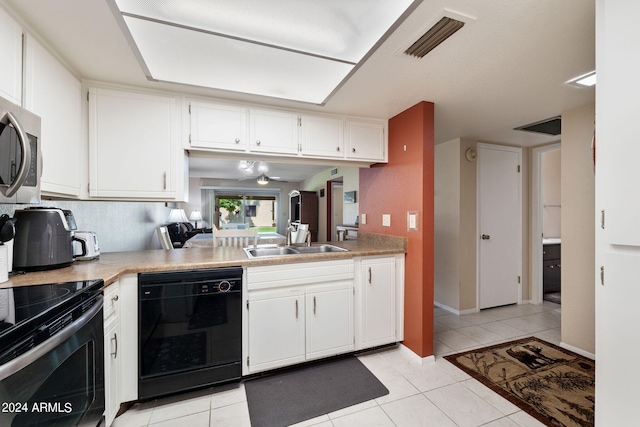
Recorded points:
(291, 250)
(315, 249)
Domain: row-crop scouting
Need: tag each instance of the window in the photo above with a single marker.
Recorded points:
(229, 209)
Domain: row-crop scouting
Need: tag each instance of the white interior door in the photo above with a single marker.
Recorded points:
(499, 225)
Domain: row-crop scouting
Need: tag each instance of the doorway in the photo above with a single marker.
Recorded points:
(499, 225)
(335, 200)
(545, 221)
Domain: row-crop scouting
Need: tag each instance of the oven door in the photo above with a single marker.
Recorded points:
(61, 381)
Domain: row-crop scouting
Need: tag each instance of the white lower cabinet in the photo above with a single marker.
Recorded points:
(111, 311)
(377, 302)
(329, 320)
(276, 329)
(298, 312)
(128, 338)
(289, 326)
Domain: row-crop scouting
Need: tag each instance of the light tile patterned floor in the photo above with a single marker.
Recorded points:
(430, 394)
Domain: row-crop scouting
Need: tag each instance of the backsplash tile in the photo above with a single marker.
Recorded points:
(121, 226)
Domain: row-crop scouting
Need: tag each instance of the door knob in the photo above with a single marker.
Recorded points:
(486, 237)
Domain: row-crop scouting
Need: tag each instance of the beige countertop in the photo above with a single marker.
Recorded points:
(110, 266)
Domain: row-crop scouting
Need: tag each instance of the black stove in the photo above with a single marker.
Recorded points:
(30, 315)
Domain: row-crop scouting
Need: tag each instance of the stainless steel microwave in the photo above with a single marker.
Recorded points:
(20, 154)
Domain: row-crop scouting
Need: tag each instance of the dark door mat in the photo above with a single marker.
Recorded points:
(293, 396)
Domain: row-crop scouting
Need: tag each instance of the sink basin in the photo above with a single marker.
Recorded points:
(315, 249)
(260, 252)
(291, 250)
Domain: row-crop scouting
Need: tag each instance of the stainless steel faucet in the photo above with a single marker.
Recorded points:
(288, 233)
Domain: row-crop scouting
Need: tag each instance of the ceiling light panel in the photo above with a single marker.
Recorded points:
(177, 55)
(344, 30)
(268, 43)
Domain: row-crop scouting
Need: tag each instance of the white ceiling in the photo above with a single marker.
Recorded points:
(506, 68)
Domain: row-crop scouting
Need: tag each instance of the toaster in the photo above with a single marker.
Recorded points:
(85, 245)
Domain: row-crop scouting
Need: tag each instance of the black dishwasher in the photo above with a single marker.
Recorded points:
(190, 330)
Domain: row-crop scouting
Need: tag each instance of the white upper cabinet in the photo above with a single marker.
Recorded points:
(11, 64)
(273, 131)
(365, 141)
(218, 126)
(223, 127)
(54, 94)
(321, 136)
(134, 149)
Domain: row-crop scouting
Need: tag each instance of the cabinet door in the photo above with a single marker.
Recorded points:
(54, 94)
(111, 313)
(11, 64)
(378, 302)
(218, 126)
(128, 351)
(276, 332)
(133, 145)
(322, 136)
(111, 369)
(365, 141)
(329, 327)
(273, 131)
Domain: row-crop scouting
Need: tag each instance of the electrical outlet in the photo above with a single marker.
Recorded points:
(386, 220)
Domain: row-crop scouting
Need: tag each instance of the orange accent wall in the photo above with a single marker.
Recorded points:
(405, 184)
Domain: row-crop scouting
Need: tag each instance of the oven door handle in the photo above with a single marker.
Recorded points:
(35, 353)
(25, 164)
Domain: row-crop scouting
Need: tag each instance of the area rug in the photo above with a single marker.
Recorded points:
(300, 394)
(554, 385)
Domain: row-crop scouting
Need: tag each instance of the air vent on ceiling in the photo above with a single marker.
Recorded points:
(552, 126)
(443, 29)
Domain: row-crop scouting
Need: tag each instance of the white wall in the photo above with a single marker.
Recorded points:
(578, 220)
(447, 224)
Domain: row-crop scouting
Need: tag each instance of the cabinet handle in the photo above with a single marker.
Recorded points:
(296, 309)
(314, 306)
(115, 353)
(337, 148)
(237, 140)
(165, 180)
(115, 298)
(258, 142)
(369, 275)
(353, 150)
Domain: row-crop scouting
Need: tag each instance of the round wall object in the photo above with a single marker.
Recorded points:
(471, 154)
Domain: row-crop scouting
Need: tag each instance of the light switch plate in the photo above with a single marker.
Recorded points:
(386, 220)
(363, 219)
(412, 221)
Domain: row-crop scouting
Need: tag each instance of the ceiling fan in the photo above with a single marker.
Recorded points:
(246, 166)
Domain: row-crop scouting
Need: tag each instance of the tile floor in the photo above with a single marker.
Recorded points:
(429, 394)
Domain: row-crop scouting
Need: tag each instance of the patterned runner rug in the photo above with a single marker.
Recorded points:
(554, 385)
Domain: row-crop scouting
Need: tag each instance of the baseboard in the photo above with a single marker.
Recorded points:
(453, 310)
(422, 360)
(578, 350)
